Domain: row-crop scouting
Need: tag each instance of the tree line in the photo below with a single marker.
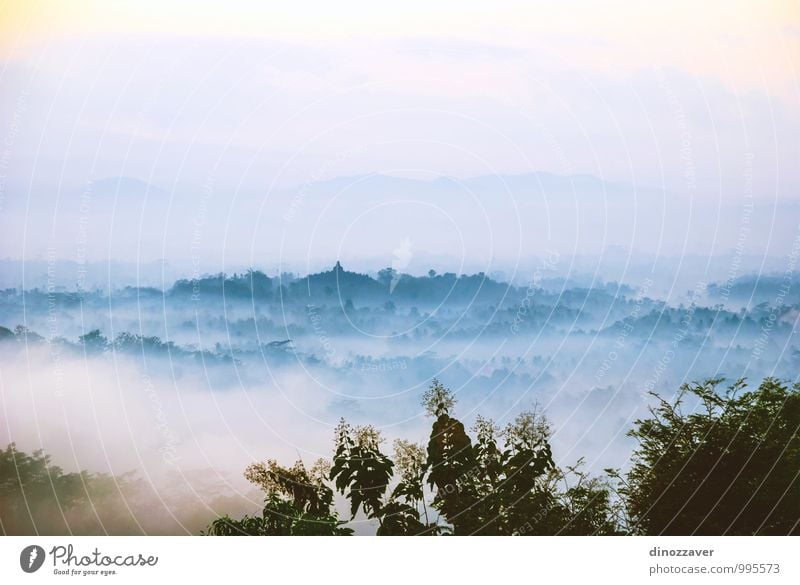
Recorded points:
(713, 461)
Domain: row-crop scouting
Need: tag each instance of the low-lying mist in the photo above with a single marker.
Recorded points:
(181, 389)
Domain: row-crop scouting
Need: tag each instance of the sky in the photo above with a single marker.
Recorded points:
(655, 143)
(255, 100)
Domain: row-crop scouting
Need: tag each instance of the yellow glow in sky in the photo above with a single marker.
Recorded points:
(744, 44)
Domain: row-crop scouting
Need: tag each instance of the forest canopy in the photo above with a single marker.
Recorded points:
(729, 464)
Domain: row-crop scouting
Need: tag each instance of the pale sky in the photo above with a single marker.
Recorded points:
(700, 100)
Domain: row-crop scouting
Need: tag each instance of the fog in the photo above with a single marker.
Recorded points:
(504, 225)
(187, 385)
(218, 372)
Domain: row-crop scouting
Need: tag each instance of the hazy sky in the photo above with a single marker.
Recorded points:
(697, 99)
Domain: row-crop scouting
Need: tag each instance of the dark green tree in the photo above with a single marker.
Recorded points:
(298, 503)
(402, 515)
(360, 470)
(729, 464)
(451, 464)
(506, 482)
(94, 341)
(587, 504)
(37, 497)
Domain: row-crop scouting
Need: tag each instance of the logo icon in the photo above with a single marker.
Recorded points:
(401, 258)
(31, 558)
